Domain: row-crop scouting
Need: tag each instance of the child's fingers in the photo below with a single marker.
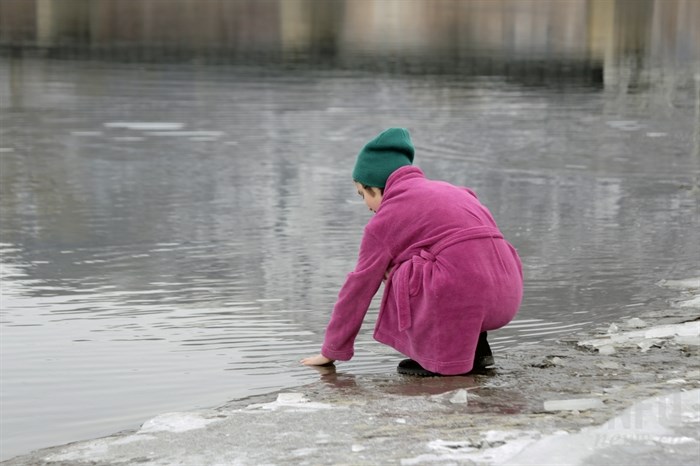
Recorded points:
(317, 360)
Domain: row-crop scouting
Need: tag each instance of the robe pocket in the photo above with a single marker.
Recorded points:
(415, 278)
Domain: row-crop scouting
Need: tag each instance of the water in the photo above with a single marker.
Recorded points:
(174, 236)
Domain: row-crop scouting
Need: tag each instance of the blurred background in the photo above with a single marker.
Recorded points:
(572, 37)
(176, 208)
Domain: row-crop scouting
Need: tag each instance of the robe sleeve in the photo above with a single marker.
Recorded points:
(355, 297)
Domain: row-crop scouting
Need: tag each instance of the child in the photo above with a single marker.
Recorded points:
(449, 274)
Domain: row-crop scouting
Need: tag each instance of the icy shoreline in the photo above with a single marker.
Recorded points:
(627, 393)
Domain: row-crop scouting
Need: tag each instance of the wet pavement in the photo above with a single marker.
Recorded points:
(555, 403)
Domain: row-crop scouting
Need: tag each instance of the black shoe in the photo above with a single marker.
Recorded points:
(411, 367)
(483, 356)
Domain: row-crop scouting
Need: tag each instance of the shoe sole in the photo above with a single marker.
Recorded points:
(417, 372)
(486, 361)
(483, 363)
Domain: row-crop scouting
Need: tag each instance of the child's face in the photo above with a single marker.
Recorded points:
(372, 197)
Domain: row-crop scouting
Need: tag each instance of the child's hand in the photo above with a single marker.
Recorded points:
(387, 272)
(318, 360)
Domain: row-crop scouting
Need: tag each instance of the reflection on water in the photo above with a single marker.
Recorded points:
(479, 36)
(174, 236)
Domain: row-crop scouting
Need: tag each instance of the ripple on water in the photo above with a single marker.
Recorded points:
(196, 273)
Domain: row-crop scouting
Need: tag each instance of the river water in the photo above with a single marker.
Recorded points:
(174, 236)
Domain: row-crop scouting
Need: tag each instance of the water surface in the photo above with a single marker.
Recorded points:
(173, 237)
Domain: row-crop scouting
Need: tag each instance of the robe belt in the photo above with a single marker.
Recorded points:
(424, 255)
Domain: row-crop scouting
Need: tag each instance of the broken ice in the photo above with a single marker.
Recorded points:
(175, 422)
(293, 401)
(579, 404)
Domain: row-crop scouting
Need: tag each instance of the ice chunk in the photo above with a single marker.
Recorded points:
(695, 302)
(295, 401)
(606, 350)
(686, 331)
(676, 381)
(613, 389)
(641, 427)
(508, 444)
(665, 331)
(291, 398)
(608, 365)
(189, 134)
(175, 422)
(460, 397)
(646, 345)
(625, 125)
(87, 451)
(579, 404)
(132, 439)
(613, 329)
(145, 125)
(688, 340)
(687, 284)
(635, 322)
(304, 452)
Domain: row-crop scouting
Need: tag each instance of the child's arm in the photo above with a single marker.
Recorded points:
(317, 360)
(354, 298)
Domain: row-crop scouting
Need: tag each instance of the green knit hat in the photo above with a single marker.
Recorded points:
(381, 156)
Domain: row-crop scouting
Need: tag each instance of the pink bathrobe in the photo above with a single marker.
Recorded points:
(451, 276)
